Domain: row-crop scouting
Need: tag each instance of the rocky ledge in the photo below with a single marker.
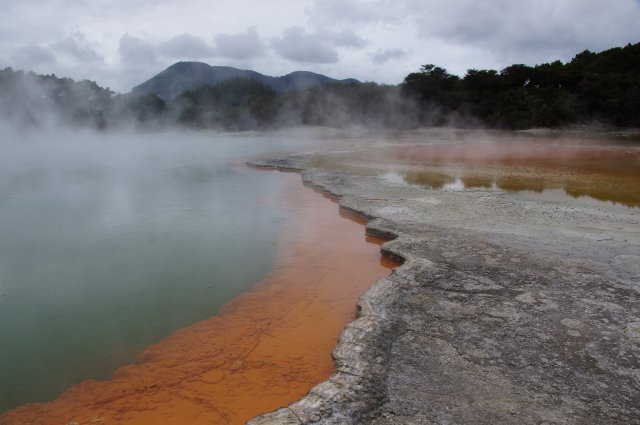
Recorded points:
(505, 311)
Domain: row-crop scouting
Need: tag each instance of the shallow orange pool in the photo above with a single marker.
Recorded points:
(604, 171)
(265, 349)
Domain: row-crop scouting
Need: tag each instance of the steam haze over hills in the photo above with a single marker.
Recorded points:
(601, 88)
(496, 63)
(183, 76)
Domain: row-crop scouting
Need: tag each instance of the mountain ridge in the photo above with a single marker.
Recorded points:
(184, 75)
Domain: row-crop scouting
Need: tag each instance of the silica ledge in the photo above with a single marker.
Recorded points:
(483, 322)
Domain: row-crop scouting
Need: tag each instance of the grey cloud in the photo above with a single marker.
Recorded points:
(300, 46)
(136, 51)
(383, 56)
(529, 29)
(346, 38)
(141, 58)
(456, 34)
(240, 46)
(33, 55)
(332, 12)
(77, 46)
(186, 46)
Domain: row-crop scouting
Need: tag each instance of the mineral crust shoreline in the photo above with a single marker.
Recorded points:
(505, 311)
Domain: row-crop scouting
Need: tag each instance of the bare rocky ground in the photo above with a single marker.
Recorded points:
(505, 311)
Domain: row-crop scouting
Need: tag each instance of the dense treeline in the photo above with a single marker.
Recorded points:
(242, 104)
(234, 104)
(29, 99)
(602, 87)
(593, 87)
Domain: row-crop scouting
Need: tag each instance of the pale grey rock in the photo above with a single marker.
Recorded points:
(504, 312)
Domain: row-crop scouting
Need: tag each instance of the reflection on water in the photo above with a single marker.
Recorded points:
(542, 168)
(264, 350)
(433, 180)
(518, 184)
(616, 192)
(476, 182)
(109, 244)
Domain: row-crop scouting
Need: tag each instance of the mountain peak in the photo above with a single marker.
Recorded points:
(185, 75)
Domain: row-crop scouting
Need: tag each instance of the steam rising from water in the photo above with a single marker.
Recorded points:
(98, 227)
(110, 242)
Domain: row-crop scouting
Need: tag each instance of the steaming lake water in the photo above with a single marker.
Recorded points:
(108, 244)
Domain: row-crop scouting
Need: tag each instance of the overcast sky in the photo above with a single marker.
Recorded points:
(121, 43)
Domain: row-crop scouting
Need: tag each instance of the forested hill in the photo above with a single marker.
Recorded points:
(183, 76)
(602, 88)
(28, 99)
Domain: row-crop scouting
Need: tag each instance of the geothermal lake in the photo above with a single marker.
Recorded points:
(110, 243)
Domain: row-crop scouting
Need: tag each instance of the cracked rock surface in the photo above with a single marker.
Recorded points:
(505, 311)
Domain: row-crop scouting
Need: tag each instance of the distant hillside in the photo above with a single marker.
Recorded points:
(593, 89)
(183, 76)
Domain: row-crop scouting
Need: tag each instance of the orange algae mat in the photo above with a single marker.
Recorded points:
(265, 349)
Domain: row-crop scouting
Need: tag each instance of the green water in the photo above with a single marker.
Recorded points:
(110, 243)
